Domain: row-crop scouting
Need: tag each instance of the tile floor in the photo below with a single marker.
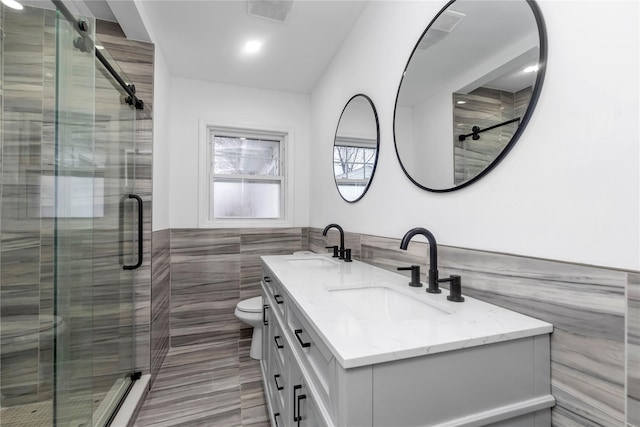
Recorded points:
(212, 385)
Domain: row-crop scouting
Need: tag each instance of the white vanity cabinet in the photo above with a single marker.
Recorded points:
(318, 371)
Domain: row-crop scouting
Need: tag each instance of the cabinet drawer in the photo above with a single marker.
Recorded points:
(267, 332)
(277, 382)
(312, 350)
(305, 411)
(278, 414)
(278, 296)
(268, 280)
(278, 343)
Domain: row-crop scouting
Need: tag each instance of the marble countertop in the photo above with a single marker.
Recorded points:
(360, 331)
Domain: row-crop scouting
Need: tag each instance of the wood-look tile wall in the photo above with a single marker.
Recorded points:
(586, 305)
(160, 299)
(27, 245)
(136, 59)
(212, 270)
(633, 350)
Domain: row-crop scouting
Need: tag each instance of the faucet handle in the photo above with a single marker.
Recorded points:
(335, 250)
(455, 289)
(415, 275)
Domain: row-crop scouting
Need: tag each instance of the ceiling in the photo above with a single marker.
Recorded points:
(204, 40)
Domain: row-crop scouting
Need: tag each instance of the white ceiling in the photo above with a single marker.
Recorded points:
(204, 40)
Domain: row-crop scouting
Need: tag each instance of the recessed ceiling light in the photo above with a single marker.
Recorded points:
(13, 4)
(531, 69)
(252, 46)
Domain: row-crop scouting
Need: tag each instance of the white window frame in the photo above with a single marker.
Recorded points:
(286, 135)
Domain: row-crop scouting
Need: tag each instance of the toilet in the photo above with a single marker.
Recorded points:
(250, 312)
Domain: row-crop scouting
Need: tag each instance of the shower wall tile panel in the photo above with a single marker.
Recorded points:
(136, 60)
(633, 350)
(212, 270)
(160, 305)
(25, 274)
(27, 244)
(586, 305)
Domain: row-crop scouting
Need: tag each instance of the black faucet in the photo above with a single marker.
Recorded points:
(456, 281)
(336, 226)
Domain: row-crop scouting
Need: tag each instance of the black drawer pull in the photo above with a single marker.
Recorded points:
(275, 380)
(267, 279)
(275, 417)
(295, 388)
(303, 344)
(278, 299)
(301, 397)
(264, 314)
(276, 338)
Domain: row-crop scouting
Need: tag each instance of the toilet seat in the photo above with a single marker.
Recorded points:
(251, 305)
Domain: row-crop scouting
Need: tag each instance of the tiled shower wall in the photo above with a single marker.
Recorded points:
(29, 43)
(211, 270)
(136, 59)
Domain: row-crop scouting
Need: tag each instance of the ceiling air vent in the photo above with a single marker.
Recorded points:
(446, 22)
(274, 10)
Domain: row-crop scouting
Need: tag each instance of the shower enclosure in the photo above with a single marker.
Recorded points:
(69, 222)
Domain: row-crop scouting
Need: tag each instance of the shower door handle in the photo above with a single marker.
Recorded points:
(140, 227)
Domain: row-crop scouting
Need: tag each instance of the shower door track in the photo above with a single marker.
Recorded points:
(86, 44)
(134, 377)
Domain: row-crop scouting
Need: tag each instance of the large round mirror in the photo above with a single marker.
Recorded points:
(468, 91)
(355, 149)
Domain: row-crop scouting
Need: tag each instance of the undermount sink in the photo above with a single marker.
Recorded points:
(311, 262)
(383, 302)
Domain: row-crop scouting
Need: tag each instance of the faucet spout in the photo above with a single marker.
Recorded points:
(337, 227)
(433, 255)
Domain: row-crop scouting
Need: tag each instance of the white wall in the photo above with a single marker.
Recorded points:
(192, 100)
(161, 118)
(570, 188)
(432, 146)
(161, 110)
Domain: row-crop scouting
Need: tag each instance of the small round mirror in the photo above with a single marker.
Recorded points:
(355, 149)
(468, 91)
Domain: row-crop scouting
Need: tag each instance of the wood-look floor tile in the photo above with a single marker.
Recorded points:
(214, 384)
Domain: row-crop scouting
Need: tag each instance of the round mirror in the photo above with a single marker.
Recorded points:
(355, 148)
(468, 91)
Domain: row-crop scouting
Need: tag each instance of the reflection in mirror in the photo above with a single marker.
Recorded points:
(468, 91)
(355, 150)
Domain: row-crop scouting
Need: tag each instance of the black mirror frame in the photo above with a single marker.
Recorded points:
(537, 88)
(375, 163)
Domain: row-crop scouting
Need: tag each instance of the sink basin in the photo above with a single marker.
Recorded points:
(311, 262)
(381, 302)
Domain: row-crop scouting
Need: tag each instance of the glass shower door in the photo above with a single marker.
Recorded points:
(94, 234)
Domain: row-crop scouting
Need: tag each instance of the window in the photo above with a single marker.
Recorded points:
(353, 164)
(245, 177)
